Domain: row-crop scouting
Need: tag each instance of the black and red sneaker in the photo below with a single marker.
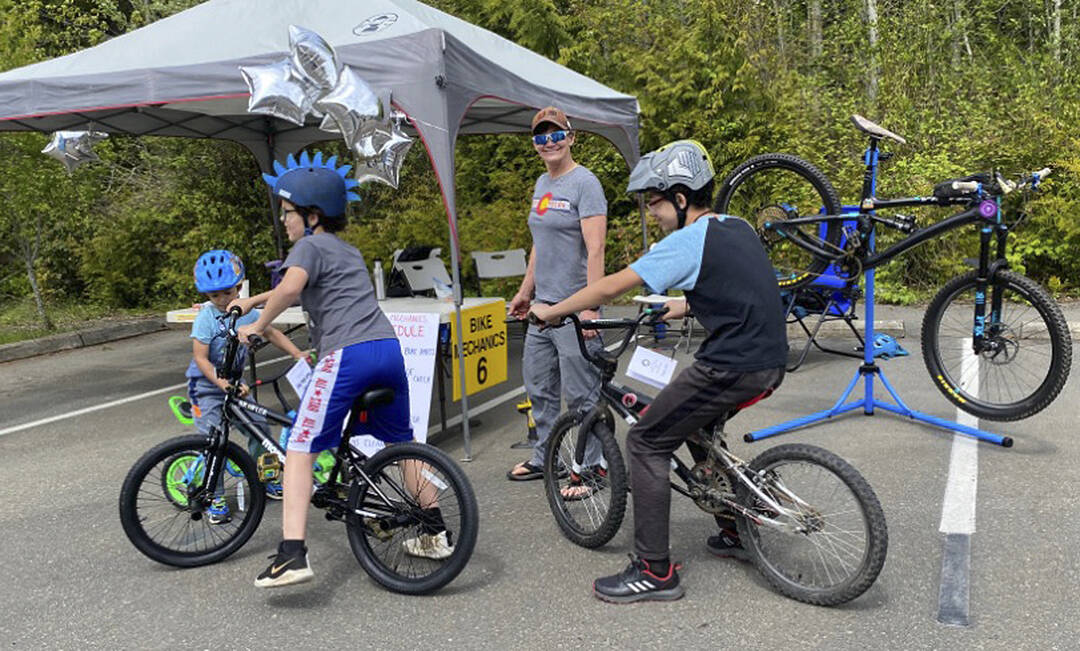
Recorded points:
(726, 544)
(638, 583)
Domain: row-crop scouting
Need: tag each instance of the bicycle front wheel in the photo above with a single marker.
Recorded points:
(828, 545)
(414, 527)
(163, 522)
(1026, 352)
(770, 189)
(587, 500)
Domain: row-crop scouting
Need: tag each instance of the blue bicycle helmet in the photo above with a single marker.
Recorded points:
(218, 270)
(312, 182)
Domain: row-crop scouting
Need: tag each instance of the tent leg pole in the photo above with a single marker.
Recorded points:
(644, 224)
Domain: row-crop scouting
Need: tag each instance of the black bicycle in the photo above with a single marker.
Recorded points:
(994, 341)
(386, 501)
(810, 522)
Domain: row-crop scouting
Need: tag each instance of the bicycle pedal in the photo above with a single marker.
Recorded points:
(269, 466)
(379, 529)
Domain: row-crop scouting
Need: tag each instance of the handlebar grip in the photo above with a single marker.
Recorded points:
(966, 186)
(255, 341)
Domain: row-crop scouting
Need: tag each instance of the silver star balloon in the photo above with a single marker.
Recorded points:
(350, 107)
(312, 57)
(73, 148)
(276, 91)
(391, 145)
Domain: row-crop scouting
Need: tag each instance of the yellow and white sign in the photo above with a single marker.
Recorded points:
(485, 344)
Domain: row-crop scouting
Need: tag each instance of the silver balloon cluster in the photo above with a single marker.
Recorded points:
(311, 81)
(73, 148)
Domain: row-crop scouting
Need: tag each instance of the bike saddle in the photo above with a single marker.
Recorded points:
(869, 128)
(374, 398)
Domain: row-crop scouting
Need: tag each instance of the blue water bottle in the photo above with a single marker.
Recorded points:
(660, 327)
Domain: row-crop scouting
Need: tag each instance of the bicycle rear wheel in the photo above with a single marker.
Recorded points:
(588, 503)
(399, 539)
(1026, 354)
(831, 545)
(773, 188)
(164, 523)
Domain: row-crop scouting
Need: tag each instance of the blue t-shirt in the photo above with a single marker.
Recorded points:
(209, 329)
(720, 265)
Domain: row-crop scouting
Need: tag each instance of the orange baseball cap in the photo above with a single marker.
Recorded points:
(552, 115)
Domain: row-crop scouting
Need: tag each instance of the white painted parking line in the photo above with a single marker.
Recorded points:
(107, 405)
(958, 510)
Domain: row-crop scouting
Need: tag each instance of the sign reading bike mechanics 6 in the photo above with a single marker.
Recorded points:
(485, 345)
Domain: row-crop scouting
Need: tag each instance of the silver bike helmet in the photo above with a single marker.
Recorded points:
(683, 162)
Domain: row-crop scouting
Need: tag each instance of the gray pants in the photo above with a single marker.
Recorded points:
(698, 396)
(553, 368)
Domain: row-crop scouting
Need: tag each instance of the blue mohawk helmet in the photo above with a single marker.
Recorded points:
(313, 182)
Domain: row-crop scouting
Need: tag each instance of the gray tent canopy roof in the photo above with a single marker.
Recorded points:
(179, 77)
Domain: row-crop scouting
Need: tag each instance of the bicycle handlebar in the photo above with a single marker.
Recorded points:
(631, 326)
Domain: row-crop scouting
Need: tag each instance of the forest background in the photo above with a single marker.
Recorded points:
(972, 85)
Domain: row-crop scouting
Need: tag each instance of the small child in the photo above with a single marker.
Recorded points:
(218, 274)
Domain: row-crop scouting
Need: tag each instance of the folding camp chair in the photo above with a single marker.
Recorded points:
(424, 275)
(829, 297)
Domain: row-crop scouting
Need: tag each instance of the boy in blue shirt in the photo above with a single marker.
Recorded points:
(218, 274)
(729, 283)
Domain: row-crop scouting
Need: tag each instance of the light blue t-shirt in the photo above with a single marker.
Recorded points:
(209, 328)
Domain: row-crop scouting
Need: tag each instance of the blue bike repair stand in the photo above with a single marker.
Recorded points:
(867, 372)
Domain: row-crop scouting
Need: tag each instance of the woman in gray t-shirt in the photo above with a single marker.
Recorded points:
(568, 223)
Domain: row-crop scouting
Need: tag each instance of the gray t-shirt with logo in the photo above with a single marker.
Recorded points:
(339, 297)
(558, 206)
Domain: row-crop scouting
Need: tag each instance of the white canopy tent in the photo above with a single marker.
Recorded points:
(179, 77)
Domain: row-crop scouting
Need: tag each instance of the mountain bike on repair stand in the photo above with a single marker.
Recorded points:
(388, 501)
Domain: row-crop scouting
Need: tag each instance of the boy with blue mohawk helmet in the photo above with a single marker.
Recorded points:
(218, 275)
(358, 351)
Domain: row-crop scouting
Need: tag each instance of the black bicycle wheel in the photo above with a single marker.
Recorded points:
(773, 188)
(394, 531)
(588, 502)
(828, 545)
(178, 531)
(1026, 354)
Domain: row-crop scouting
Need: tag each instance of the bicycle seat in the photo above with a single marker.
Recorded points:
(871, 129)
(373, 398)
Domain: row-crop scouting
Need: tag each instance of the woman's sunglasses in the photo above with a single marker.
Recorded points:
(554, 136)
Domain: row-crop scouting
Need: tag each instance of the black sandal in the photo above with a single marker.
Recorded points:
(533, 472)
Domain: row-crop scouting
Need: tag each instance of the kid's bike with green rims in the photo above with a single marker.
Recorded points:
(810, 522)
(390, 502)
(994, 341)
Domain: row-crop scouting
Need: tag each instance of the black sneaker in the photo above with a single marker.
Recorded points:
(726, 544)
(286, 569)
(638, 583)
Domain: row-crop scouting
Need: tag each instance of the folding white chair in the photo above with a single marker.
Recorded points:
(422, 275)
(498, 264)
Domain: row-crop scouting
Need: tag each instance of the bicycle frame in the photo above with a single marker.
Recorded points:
(630, 405)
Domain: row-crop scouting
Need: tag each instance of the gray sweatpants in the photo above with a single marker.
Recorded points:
(697, 397)
(553, 367)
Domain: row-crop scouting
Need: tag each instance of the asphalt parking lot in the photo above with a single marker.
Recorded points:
(73, 579)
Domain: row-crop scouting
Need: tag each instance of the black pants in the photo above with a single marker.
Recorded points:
(700, 395)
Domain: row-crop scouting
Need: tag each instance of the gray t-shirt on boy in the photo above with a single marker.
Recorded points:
(555, 222)
(339, 297)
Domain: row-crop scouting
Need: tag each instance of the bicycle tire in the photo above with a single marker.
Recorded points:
(194, 541)
(379, 544)
(866, 560)
(770, 188)
(1039, 347)
(589, 522)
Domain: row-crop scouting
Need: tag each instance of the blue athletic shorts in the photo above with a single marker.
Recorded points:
(338, 378)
